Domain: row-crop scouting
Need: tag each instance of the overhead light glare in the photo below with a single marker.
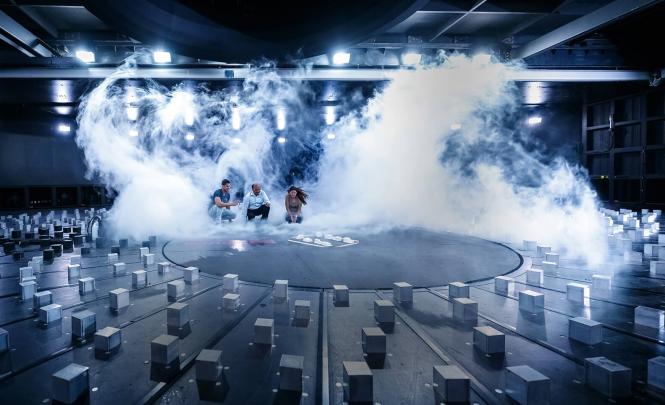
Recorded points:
(235, 118)
(132, 113)
(236, 140)
(412, 58)
(161, 57)
(534, 120)
(189, 136)
(331, 136)
(456, 126)
(341, 58)
(281, 119)
(330, 115)
(64, 128)
(133, 133)
(85, 56)
(281, 139)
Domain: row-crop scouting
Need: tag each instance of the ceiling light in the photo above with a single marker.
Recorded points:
(330, 115)
(85, 56)
(132, 113)
(341, 58)
(331, 136)
(534, 120)
(236, 140)
(189, 117)
(133, 133)
(189, 136)
(161, 57)
(281, 119)
(235, 118)
(64, 128)
(456, 126)
(281, 139)
(411, 58)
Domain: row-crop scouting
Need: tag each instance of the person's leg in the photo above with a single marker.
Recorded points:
(251, 214)
(299, 219)
(216, 213)
(228, 215)
(264, 211)
(288, 218)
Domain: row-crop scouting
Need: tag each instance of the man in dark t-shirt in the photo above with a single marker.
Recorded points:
(220, 209)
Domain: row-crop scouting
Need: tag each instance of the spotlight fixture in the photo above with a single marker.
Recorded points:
(85, 56)
(236, 140)
(330, 136)
(133, 133)
(64, 128)
(456, 126)
(132, 113)
(411, 58)
(189, 136)
(341, 58)
(534, 120)
(161, 57)
(189, 117)
(281, 139)
(281, 119)
(330, 115)
(235, 118)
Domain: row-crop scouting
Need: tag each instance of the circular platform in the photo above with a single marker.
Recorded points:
(376, 260)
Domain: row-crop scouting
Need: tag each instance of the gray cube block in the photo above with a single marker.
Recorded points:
(108, 339)
(601, 283)
(341, 296)
(585, 330)
(373, 340)
(177, 314)
(231, 301)
(191, 274)
(489, 340)
(231, 282)
(4, 341)
(164, 349)
(403, 292)
(119, 269)
(263, 331)
(465, 310)
(175, 289)
(73, 271)
(148, 260)
(139, 279)
(86, 285)
(112, 258)
(576, 292)
(302, 308)
(358, 382)
(142, 252)
(451, 383)
(527, 386)
(656, 372)
(163, 267)
(42, 298)
(384, 311)
(153, 240)
(24, 273)
(534, 277)
(70, 383)
(502, 284)
(28, 289)
(531, 301)
(291, 372)
(118, 299)
(84, 323)
(209, 365)
(607, 377)
(649, 317)
(280, 289)
(458, 289)
(50, 313)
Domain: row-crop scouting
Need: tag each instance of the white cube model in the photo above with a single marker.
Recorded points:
(542, 249)
(576, 292)
(75, 259)
(118, 299)
(86, 285)
(84, 323)
(175, 289)
(191, 274)
(633, 258)
(657, 267)
(230, 282)
(527, 386)
(458, 289)
(40, 299)
(552, 257)
(384, 311)
(164, 349)
(534, 277)
(142, 252)
(650, 317)
(163, 267)
(403, 292)
(549, 267)
(50, 313)
(302, 310)
(502, 284)
(585, 330)
(489, 340)
(531, 301)
(280, 289)
(231, 301)
(177, 314)
(263, 331)
(27, 290)
(649, 250)
(209, 365)
(358, 382)
(139, 278)
(108, 339)
(25, 274)
(148, 260)
(601, 283)
(70, 383)
(119, 269)
(530, 245)
(451, 384)
(112, 258)
(607, 377)
(291, 372)
(341, 297)
(73, 271)
(465, 310)
(656, 372)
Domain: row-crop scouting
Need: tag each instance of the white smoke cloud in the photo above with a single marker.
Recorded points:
(395, 162)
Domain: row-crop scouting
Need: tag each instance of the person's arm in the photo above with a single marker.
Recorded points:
(286, 204)
(219, 203)
(266, 201)
(299, 207)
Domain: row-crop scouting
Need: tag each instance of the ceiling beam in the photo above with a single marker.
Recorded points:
(603, 16)
(20, 38)
(445, 28)
(369, 74)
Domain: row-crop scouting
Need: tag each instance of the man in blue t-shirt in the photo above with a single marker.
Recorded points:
(221, 203)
